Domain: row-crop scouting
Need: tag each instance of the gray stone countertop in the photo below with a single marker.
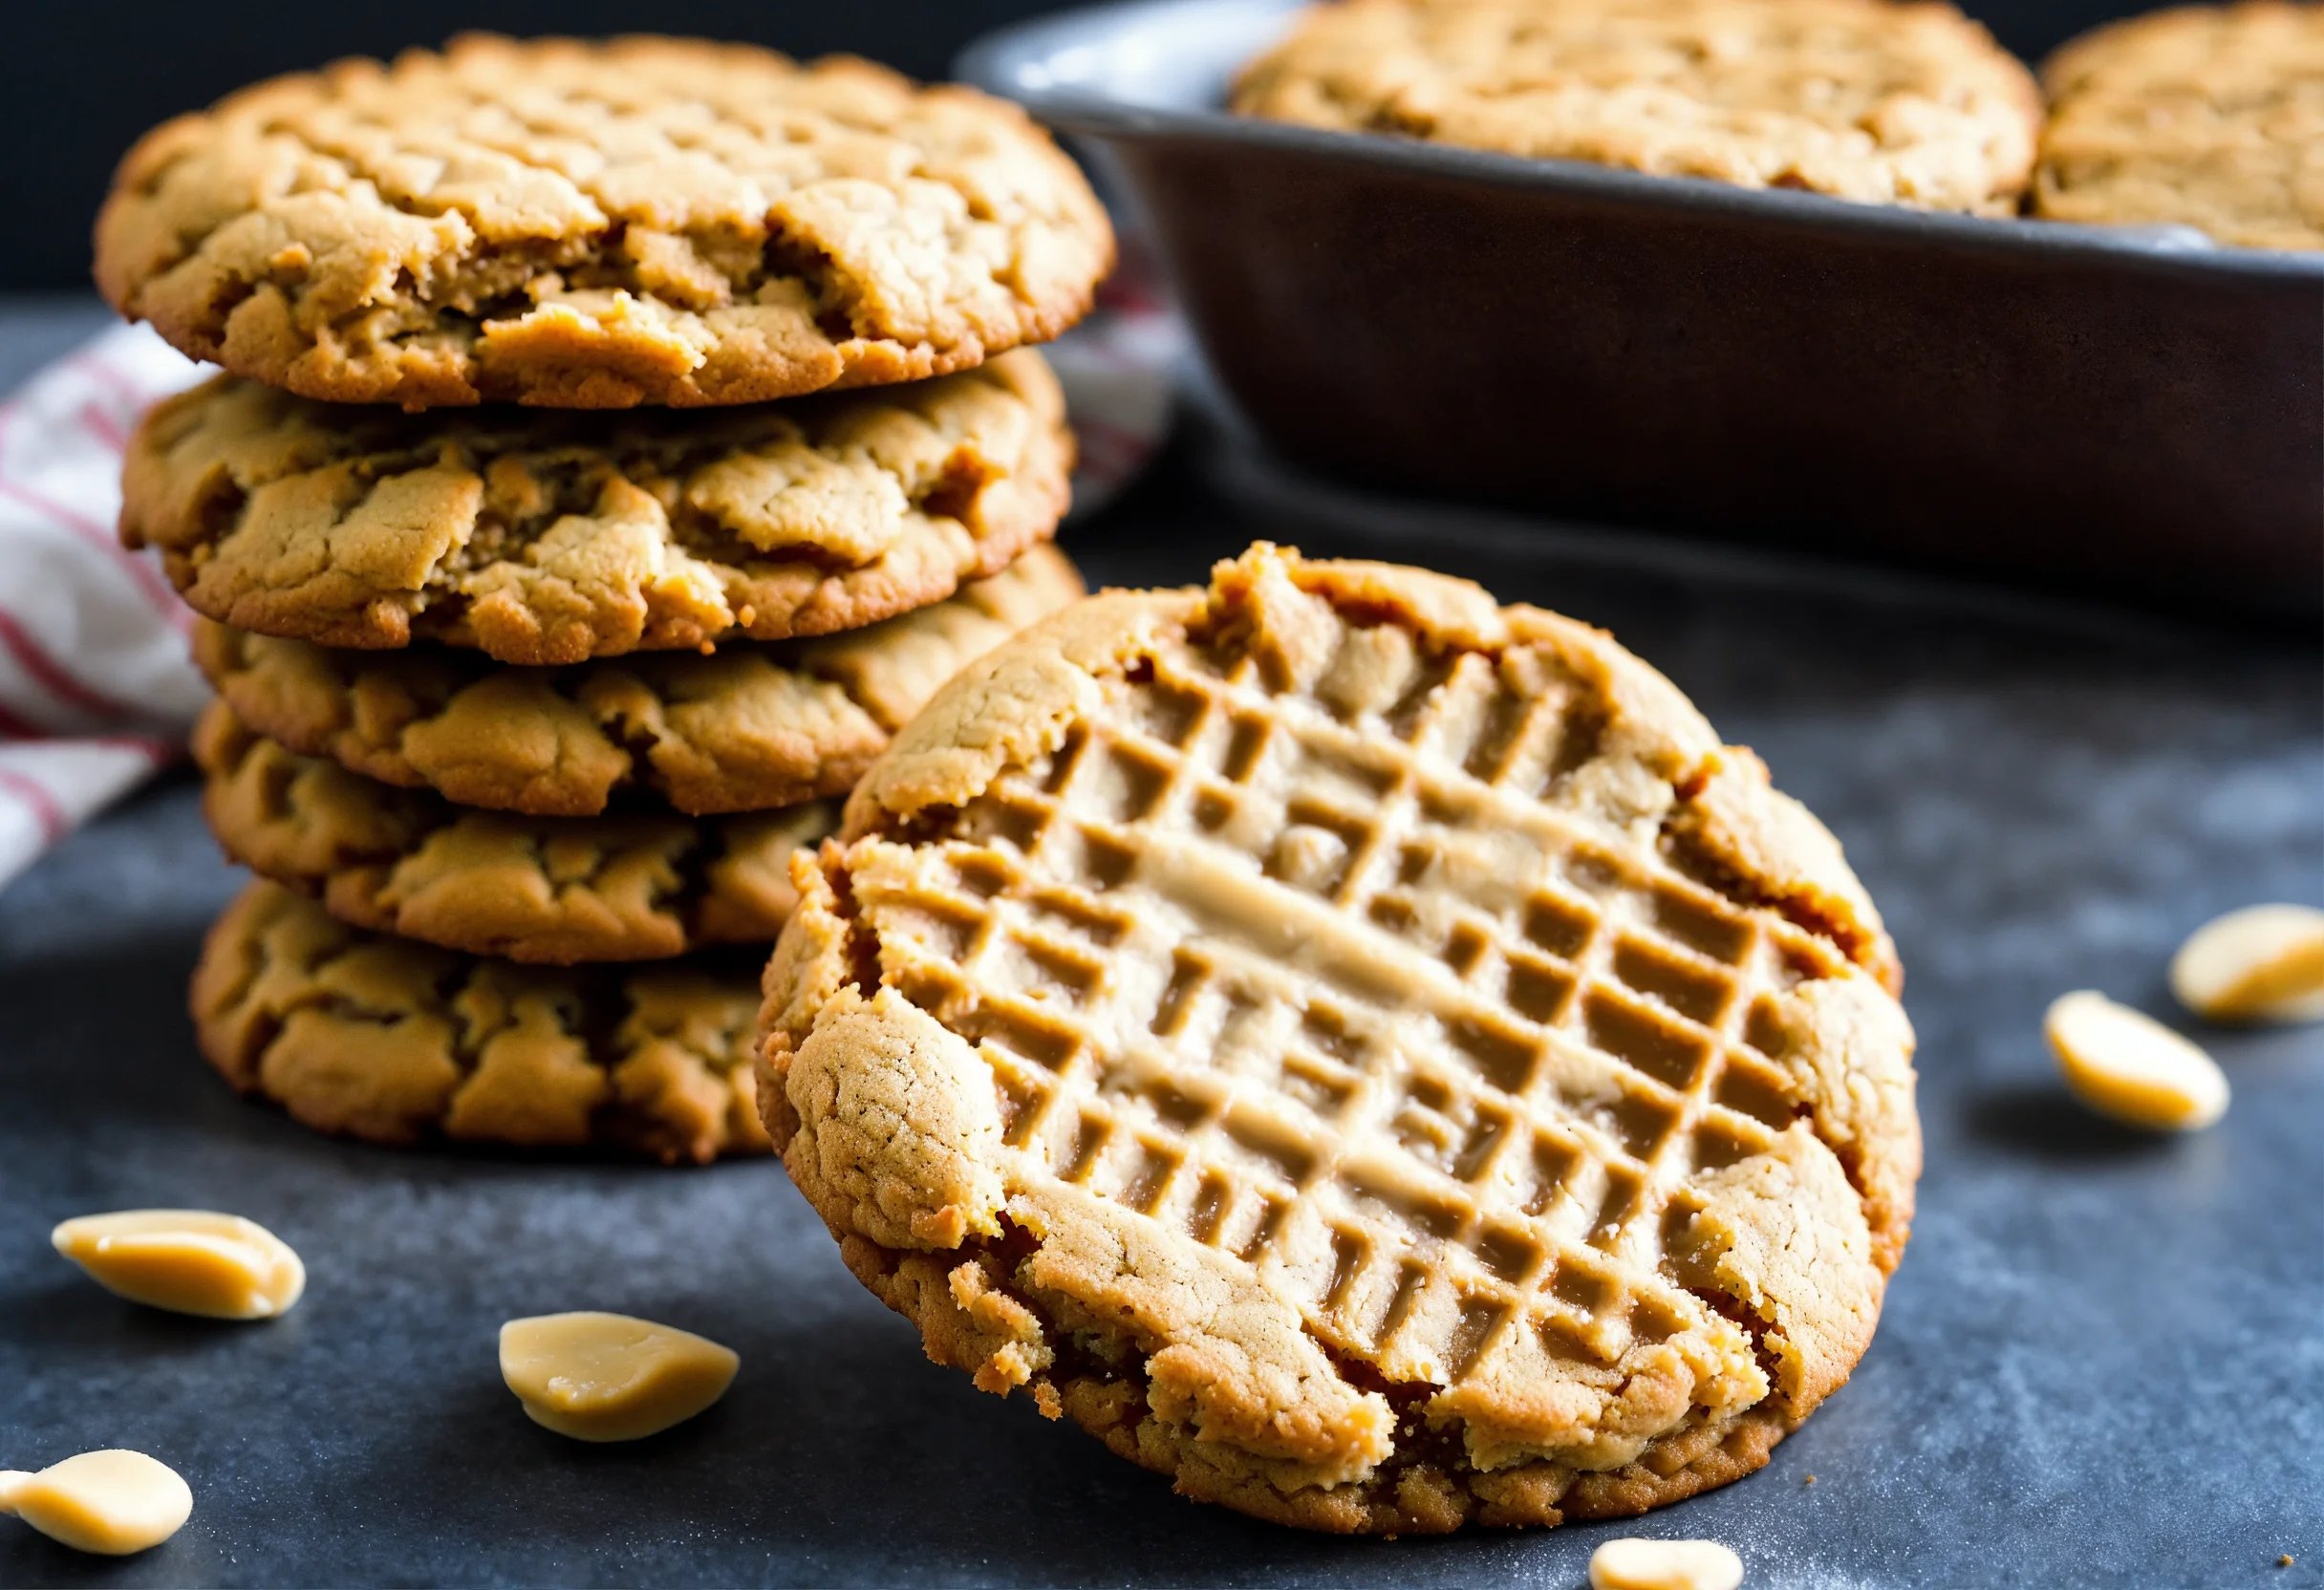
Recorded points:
(2103, 1361)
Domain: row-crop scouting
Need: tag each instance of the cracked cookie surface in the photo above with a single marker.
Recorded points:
(745, 728)
(598, 226)
(552, 889)
(553, 538)
(1371, 1054)
(2207, 116)
(1886, 103)
(365, 1036)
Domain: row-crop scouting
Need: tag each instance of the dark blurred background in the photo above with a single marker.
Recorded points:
(81, 79)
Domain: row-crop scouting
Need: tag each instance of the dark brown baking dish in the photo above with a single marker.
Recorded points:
(2129, 409)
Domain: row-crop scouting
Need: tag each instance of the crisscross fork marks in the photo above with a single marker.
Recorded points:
(1188, 941)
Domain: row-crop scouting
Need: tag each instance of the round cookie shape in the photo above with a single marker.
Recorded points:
(544, 539)
(2209, 117)
(1371, 1054)
(1910, 104)
(546, 890)
(741, 729)
(585, 225)
(361, 1035)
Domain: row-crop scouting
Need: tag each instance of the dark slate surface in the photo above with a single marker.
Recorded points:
(2102, 1361)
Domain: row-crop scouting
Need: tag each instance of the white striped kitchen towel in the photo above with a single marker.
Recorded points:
(97, 688)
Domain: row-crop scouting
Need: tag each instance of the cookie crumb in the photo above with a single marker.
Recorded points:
(1810, 1480)
(2285, 1560)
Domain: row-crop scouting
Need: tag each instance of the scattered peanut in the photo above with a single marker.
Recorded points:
(2262, 963)
(1664, 1565)
(191, 1261)
(112, 1502)
(2133, 1068)
(606, 1377)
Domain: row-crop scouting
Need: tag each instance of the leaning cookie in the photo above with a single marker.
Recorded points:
(553, 538)
(1907, 105)
(1371, 1054)
(598, 226)
(381, 1039)
(747, 727)
(550, 890)
(2209, 117)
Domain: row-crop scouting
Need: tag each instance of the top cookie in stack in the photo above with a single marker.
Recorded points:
(504, 691)
(597, 226)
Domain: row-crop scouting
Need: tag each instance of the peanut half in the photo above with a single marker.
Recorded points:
(608, 1377)
(190, 1260)
(1633, 1564)
(112, 1502)
(2132, 1067)
(2262, 963)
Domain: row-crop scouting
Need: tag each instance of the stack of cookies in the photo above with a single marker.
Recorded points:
(524, 710)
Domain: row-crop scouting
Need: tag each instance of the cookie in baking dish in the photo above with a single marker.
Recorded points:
(1368, 1053)
(2209, 117)
(1889, 103)
(598, 224)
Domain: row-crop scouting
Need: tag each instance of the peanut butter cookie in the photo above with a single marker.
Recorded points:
(555, 537)
(597, 226)
(383, 1039)
(747, 727)
(1888, 104)
(534, 889)
(2208, 115)
(1371, 1054)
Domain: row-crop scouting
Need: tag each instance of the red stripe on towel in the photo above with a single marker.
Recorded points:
(51, 675)
(54, 825)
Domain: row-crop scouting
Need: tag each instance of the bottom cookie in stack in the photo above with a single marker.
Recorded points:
(383, 1038)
